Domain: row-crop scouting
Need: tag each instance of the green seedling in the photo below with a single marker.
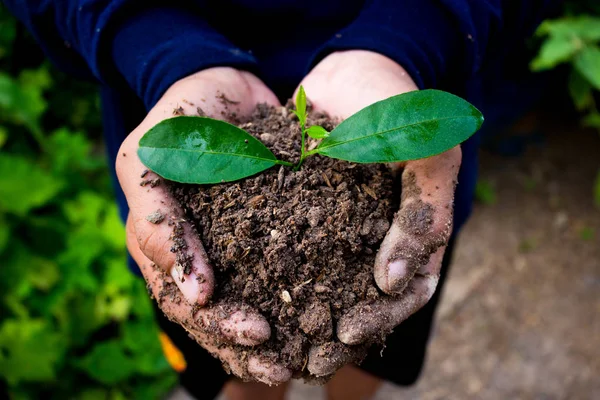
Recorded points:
(405, 127)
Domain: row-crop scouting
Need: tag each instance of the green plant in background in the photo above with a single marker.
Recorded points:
(74, 323)
(405, 127)
(574, 40)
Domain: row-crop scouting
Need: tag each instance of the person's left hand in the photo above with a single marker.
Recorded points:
(408, 263)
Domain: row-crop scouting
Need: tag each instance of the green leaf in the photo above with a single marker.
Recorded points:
(405, 127)
(587, 233)
(301, 105)
(587, 64)
(23, 100)
(107, 363)
(317, 132)
(584, 27)
(554, 51)
(3, 136)
(4, 232)
(29, 351)
(592, 120)
(203, 150)
(580, 91)
(141, 338)
(485, 192)
(25, 185)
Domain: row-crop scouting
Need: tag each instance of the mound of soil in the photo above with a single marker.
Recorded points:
(299, 246)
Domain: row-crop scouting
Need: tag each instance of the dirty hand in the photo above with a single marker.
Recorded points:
(408, 263)
(166, 246)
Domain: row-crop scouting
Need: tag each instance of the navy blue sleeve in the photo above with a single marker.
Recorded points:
(439, 42)
(150, 46)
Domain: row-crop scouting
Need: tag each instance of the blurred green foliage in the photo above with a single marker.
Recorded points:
(574, 40)
(74, 322)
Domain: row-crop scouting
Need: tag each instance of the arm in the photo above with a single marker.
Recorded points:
(150, 47)
(440, 43)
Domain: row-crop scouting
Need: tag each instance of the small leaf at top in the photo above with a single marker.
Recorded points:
(202, 150)
(317, 132)
(301, 105)
(405, 127)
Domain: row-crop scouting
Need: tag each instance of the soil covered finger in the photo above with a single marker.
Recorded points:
(327, 358)
(422, 224)
(370, 320)
(170, 242)
(224, 323)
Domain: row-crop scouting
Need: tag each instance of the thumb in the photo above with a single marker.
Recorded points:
(424, 222)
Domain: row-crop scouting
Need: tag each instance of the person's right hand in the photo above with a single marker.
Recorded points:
(182, 292)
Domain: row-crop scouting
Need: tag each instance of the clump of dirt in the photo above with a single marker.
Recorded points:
(299, 246)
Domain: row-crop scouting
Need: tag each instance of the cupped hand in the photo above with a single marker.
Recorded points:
(408, 263)
(165, 245)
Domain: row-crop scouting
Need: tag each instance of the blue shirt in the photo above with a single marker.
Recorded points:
(136, 50)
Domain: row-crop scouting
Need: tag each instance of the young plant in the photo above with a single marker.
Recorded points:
(405, 127)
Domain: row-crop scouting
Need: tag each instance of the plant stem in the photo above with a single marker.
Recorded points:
(302, 151)
(285, 163)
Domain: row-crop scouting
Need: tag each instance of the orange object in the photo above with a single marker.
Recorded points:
(173, 355)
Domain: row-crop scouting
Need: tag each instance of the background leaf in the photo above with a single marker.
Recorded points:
(29, 350)
(405, 127)
(554, 51)
(203, 150)
(585, 27)
(107, 363)
(24, 185)
(587, 64)
(580, 91)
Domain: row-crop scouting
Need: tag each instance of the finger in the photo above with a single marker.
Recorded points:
(166, 238)
(212, 327)
(225, 323)
(368, 320)
(327, 358)
(423, 223)
(248, 368)
(267, 371)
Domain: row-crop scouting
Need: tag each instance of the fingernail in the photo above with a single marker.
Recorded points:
(176, 273)
(187, 284)
(397, 273)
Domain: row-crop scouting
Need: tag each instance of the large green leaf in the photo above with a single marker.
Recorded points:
(405, 127)
(24, 185)
(203, 150)
(588, 65)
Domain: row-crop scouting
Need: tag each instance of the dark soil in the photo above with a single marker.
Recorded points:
(297, 246)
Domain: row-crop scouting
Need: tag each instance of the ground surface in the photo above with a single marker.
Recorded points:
(520, 315)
